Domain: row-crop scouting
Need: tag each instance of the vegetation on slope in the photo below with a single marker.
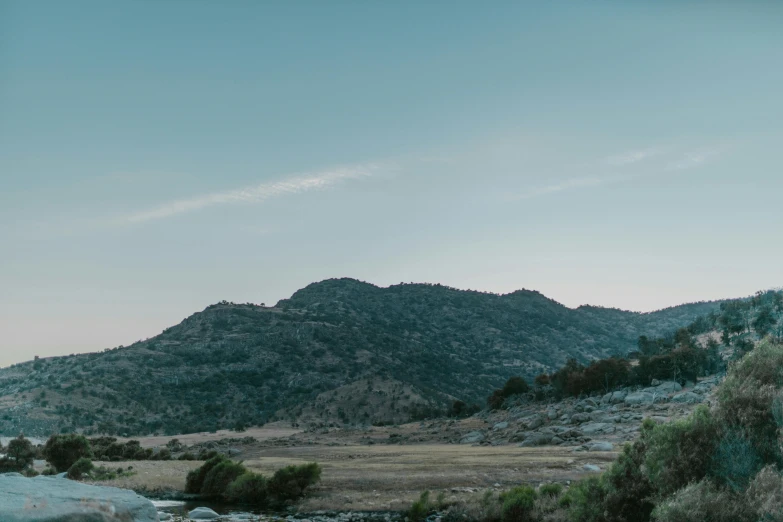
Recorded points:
(408, 350)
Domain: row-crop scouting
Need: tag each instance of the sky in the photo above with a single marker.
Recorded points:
(158, 157)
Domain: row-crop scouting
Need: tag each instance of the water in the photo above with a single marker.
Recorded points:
(181, 507)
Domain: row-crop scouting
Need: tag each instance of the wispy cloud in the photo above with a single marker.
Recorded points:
(635, 156)
(691, 160)
(568, 184)
(254, 194)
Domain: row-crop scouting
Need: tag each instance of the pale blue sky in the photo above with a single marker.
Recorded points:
(156, 157)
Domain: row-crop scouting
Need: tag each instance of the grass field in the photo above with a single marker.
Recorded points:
(390, 477)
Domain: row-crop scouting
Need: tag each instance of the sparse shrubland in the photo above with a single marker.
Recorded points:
(223, 479)
(719, 464)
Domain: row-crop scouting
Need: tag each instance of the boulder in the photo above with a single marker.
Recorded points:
(578, 418)
(639, 398)
(500, 426)
(49, 499)
(536, 439)
(536, 421)
(472, 438)
(600, 446)
(202, 513)
(687, 398)
(596, 427)
(591, 467)
(618, 396)
(669, 387)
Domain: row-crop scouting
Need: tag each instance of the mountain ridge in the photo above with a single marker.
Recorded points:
(414, 348)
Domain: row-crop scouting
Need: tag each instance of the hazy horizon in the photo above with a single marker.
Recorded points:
(156, 158)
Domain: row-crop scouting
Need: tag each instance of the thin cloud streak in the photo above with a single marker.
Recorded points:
(256, 194)
(692, 159)
(568, 184)
(636, 156)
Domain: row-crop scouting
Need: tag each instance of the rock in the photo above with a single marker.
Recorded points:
(669, 387)
(556, 441)
(202, 513)
(578, 418)
(536, 421)
(164, 516)
(535, 439)
(597, 427)
(600, 446)
(552, 414)
(655, 382)
(472, 438)
(618, 396)
(687, 398)
(591, 467)
(47, 499)
(639, 398)
(500, 426)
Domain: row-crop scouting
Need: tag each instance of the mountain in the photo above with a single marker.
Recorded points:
(338, 351)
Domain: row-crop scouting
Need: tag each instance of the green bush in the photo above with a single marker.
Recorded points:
(550, 490)
(20, 452)
(704, 501)
(585, 501)
(249, 488)
(519, 504)
(628, 490)
(195, 479)
(680, 452)
(80, 468)
(289, 483)
(420, 508)
(217, 480)
(735, 462)
(62, 451)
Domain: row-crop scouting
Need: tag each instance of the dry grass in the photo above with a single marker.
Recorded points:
(381, 477)
(261, 434)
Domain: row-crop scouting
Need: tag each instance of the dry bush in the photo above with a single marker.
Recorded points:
(704, 501)
(765, 494)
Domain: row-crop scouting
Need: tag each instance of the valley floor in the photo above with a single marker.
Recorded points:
(389, 477)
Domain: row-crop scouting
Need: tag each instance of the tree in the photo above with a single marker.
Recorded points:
(62, 451)
(20, 455)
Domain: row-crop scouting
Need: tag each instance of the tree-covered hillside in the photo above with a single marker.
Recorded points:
(414, 347)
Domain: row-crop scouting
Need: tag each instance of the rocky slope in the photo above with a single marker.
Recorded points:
(340, 351)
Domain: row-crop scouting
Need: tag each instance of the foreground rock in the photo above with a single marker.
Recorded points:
(47, 499)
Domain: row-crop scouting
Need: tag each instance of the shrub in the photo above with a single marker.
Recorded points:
(703, 501)
(80, 468)
(62, 451)
(735, 462)
(518, 504)
(248, 488)
(765, 494)
(680, 452)
(48, 471)
(195, 479)
(550, 490)
(20, 452)
(217, 480)
(585, 501)
(420, 508)
(628, 490)
(290, 483)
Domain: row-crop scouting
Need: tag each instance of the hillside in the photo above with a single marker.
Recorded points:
(338, 351)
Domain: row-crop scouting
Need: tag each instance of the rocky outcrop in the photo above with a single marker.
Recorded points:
(47, 499)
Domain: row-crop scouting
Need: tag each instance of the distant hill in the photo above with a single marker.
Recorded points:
(338, 351)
